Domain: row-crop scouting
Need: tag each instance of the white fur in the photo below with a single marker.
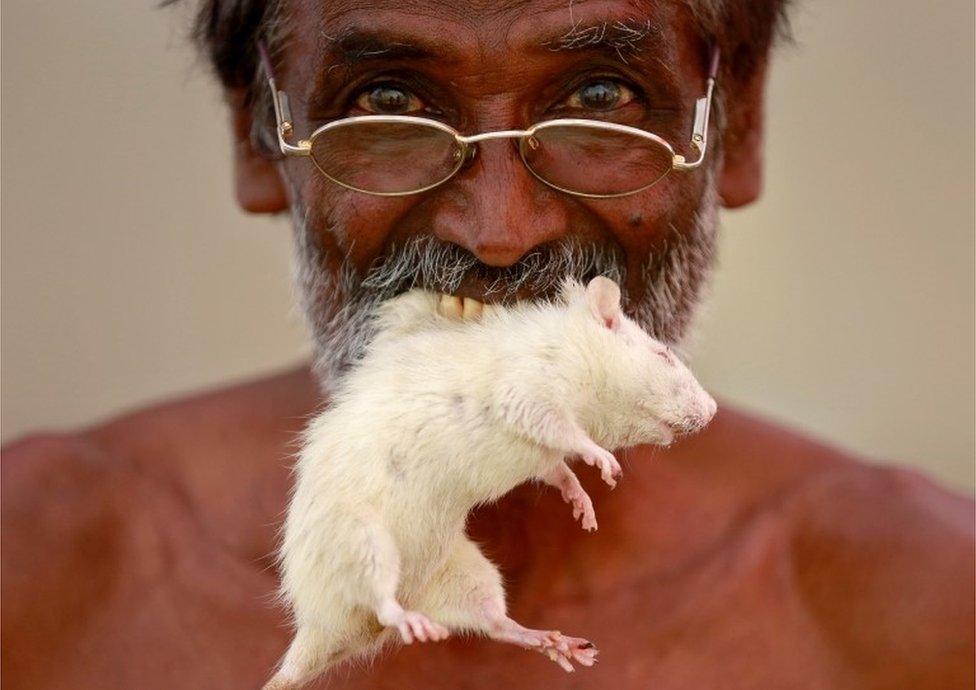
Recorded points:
(442, 415)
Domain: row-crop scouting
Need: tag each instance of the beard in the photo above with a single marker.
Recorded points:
(339, 305)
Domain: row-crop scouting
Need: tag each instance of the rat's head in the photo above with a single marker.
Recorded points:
(642, 373)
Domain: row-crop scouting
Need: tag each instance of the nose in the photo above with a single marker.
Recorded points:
(496, 209)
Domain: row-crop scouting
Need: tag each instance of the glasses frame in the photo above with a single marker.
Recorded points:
(467, 144)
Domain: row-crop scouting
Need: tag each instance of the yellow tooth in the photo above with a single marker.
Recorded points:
(472, 308)
(451, 306)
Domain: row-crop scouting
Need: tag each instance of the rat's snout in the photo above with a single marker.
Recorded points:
(699, 414)
(709, 408)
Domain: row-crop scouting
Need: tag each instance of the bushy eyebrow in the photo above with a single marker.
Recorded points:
(625, 40)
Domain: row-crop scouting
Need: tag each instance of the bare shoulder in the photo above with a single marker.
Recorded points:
(215, 423)
(883, 558)
(109, 531)
(200, 450)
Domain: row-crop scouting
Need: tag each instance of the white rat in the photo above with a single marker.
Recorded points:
(442, 415)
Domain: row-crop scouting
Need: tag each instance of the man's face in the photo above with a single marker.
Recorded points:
(482, 67)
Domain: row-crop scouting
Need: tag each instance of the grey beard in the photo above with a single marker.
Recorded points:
(339, 306)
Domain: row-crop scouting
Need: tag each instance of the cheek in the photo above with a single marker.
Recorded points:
(640, 223)
(358, 225)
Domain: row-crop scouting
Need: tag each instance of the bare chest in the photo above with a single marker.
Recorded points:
(732, 621)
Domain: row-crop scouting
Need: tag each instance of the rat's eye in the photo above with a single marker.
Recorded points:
(664, 354)
(389, 99)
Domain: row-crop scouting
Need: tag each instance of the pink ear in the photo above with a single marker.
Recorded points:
(603, 298)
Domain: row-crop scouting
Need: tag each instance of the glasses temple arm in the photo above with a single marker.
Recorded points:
(283, 125)
(703, 107)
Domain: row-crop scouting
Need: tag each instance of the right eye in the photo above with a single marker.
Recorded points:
(389, 99)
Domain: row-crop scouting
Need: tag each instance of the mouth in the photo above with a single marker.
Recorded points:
(457, 307)
(666, 433)
(475, 295)
(502, 291)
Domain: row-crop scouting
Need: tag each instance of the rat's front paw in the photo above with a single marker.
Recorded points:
(610, 469)
(582, 507)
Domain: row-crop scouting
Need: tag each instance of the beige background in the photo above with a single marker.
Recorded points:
(844, 304)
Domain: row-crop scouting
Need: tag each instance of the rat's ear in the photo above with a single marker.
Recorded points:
(603, 298)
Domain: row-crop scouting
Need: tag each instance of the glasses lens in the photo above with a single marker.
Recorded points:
(592, 160)
(386, 157)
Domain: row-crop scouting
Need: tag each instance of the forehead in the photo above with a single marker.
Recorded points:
(459, 30)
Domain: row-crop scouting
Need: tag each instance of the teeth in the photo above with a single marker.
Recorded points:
(472, 308)
(451, 306)
(460, 307)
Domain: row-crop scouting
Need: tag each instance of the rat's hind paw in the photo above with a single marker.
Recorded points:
(415, 626)
(550, 643)
(564, 650)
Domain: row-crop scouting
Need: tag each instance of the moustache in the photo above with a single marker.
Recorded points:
(436, 265)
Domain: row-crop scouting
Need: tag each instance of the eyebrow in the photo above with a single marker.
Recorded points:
(625, 40)
(621, 39)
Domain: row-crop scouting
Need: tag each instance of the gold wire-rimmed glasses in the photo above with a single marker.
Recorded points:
(398, 155)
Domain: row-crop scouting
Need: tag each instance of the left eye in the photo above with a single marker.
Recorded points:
(389, 99)
(601, 94)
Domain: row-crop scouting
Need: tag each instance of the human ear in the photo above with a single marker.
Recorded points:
(603, 298)
(741, 178)
(257, 183)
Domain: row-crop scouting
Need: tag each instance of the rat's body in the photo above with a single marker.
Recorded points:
(442, 415)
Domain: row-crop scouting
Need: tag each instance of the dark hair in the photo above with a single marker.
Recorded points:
(226, 32)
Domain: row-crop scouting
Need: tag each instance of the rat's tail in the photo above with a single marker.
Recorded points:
(310, 654)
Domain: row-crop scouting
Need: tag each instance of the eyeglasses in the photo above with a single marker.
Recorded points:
(398, 155)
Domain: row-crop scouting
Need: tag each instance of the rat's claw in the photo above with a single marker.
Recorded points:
(589, 523)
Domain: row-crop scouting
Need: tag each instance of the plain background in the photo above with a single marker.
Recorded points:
(844, 304)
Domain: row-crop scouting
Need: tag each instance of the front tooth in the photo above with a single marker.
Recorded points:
(472, 308)
(451, 306)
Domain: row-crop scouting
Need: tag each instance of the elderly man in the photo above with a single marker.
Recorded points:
(138, 554)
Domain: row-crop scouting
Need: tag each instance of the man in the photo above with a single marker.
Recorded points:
(139, 554)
